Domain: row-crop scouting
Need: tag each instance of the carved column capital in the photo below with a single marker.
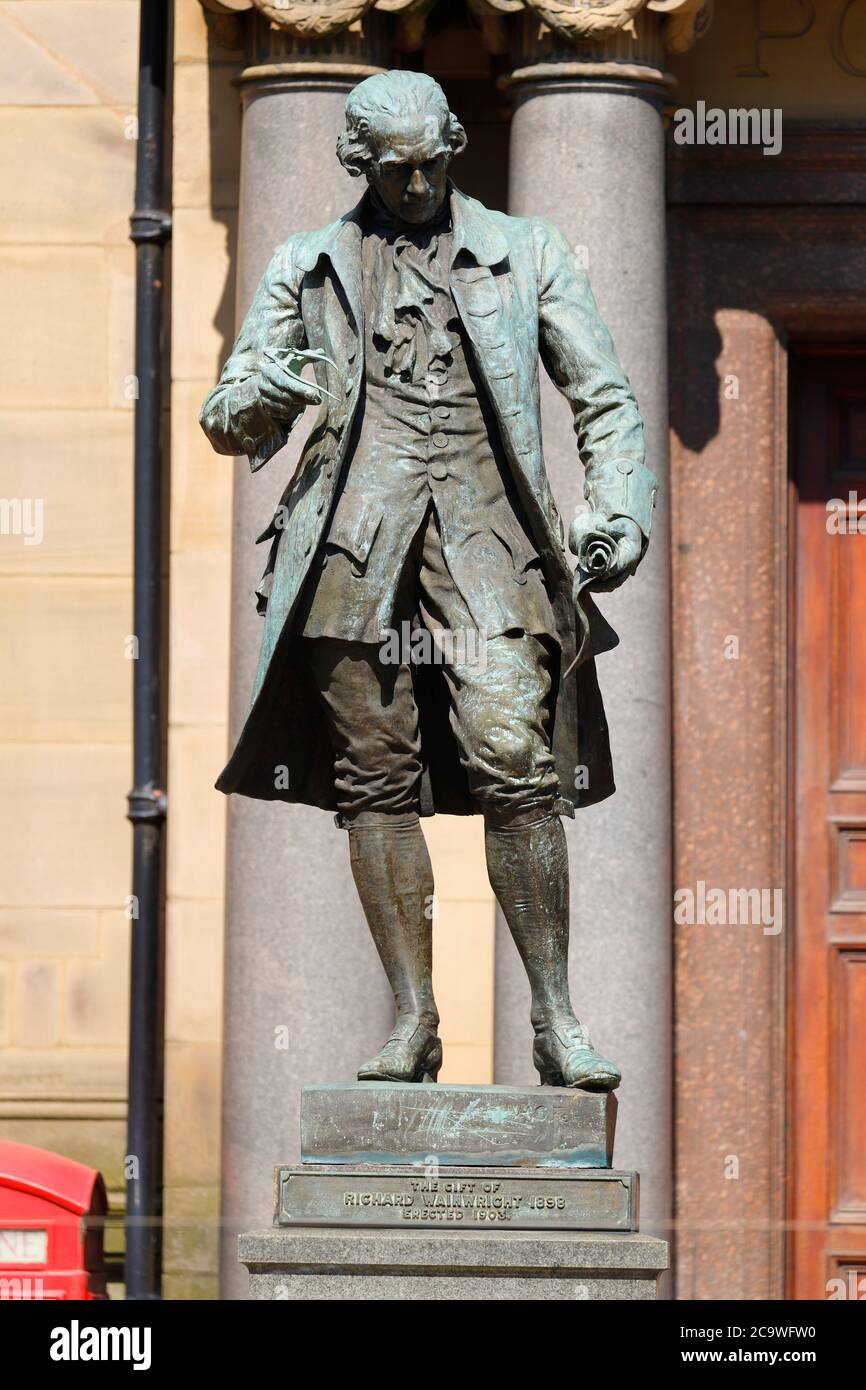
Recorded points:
(316, 41)
(626, 39)
(597, 20)
(320, 19)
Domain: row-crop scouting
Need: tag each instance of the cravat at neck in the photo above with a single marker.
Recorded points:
(383, 223)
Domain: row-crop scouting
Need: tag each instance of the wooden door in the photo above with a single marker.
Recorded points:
(827, 1016)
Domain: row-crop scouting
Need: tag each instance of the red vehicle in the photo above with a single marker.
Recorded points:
(52, 1213)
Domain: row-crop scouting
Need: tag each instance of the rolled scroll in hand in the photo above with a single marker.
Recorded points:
(596, 553)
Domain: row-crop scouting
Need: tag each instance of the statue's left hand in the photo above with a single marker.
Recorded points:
(610, 547)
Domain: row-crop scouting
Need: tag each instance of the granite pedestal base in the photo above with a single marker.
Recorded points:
(309, 1263)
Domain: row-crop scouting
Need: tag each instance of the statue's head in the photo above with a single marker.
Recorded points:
(401, 135)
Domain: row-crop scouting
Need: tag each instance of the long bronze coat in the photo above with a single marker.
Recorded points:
(520, 292)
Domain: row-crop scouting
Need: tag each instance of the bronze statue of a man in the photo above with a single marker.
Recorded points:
(421, 506)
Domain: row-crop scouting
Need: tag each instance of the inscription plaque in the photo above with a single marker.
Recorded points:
(534, 1199)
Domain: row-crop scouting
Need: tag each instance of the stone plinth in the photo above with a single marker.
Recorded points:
(454, 1192)
(313, 1263)
(494, 1126)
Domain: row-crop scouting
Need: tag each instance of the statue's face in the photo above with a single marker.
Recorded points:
(410, 167)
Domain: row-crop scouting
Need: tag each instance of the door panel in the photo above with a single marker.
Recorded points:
(827, 1133)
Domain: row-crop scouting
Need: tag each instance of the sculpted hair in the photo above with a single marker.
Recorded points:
(393, 94)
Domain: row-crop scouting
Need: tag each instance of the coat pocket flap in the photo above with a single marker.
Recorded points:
(354, 531)
(471, 274)
(478, 295)
(517, 543)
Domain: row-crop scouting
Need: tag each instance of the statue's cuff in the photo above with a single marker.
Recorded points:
(623, 487)
(244, 397)
(260, 436)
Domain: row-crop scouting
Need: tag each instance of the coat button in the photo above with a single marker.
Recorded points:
(442, 412)
(438, 471)
(440, 439)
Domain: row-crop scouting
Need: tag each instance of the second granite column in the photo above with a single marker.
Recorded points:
(587, 153)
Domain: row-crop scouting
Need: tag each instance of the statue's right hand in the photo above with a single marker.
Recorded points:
(281, 389)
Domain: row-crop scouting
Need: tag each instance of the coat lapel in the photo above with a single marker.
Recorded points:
(475, 232)
(478, 294)
(478, 244)
(345, 257)
(341, 243)
(487, 305)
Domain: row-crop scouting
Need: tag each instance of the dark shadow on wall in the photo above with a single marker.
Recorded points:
(777, 238)
(225, 61)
